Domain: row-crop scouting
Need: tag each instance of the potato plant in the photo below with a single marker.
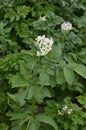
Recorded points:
(42, 65)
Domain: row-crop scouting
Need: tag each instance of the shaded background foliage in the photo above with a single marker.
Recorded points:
(32, 90)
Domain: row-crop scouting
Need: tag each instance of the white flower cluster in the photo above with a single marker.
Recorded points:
(44, 44)
(43, 18)
(66, 26)
(65, 110)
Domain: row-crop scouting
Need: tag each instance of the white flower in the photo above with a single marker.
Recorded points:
(60, 113)
(38, 53)
(43, 18)
(38, 39)
(69, 111)
(44, 44)
(65, 108)
(66, 26)
(43, 38)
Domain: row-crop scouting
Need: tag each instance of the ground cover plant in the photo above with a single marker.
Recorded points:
(43, 65)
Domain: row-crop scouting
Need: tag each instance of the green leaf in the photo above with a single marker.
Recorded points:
(12, 96)
(83, 58)
(30, 93)
(69, 75)
(54, 19)
(48, 120)
(23, 127)
(23, 69)
(55, 54)
(2, 97)
(19, 96)
(84, 128)
(18, 81)
(82, 100)
(78, 86)
(79, 68)
(10, 14)
(46, 92)
(59, 76)
(35, 91)
(16, 128)
(44, 78)
(3, 126)
(40, 93)
(33, 126)
(17, 116)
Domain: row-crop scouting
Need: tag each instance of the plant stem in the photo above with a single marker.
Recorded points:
(38, 60)
(42, 86)
(33, 106)
(64, 35)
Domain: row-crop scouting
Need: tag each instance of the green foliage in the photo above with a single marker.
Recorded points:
(82, 100)
(42, 92)
(3, 126)
(48, 120)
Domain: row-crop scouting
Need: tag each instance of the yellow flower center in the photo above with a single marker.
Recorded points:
(43, 39)
(41, 46)
(48, 43)
(36, 39)
(46, 51)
